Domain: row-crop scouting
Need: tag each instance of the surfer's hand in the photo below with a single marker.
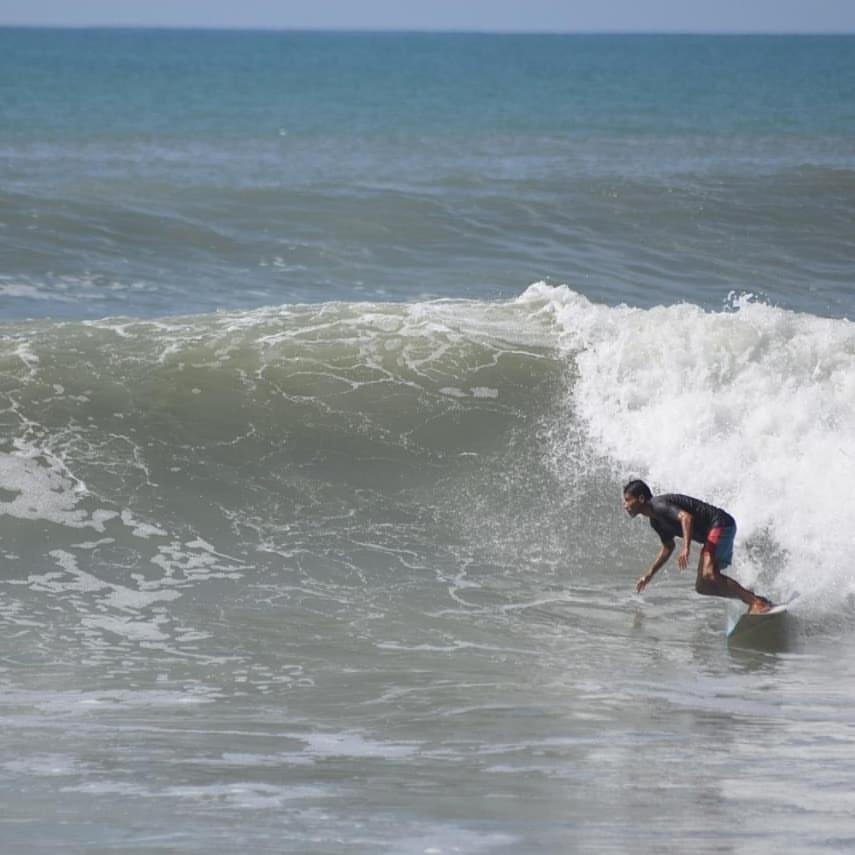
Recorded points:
(683, 559)
(641, 584)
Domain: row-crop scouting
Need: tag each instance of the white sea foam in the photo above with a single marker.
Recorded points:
(44, 765)
(41, 488)
(133, 630)
(141, 529)
(23, 290)
(752, 408)
(348, 744)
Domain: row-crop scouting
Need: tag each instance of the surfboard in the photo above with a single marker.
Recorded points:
(767, 627)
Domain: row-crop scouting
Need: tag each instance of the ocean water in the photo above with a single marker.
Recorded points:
(323, 359)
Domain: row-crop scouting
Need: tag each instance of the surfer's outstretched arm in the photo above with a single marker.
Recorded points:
(686, 522)
(661, 558)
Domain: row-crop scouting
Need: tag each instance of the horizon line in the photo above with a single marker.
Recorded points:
(415, 31)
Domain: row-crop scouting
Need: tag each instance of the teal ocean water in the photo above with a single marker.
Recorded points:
(323, 358)
(154, 173)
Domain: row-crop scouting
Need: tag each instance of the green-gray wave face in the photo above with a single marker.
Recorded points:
(273, 389)
(159, 455)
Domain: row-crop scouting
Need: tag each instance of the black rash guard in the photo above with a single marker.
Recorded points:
(666, 522)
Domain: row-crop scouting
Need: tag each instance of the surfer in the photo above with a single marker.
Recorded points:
(673, 515)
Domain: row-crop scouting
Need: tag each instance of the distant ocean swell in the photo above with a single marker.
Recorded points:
(142, 458)
(154, 243)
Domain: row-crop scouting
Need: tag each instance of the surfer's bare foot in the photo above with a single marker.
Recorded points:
(760, 606)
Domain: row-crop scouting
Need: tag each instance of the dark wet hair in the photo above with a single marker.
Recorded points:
(638, 489)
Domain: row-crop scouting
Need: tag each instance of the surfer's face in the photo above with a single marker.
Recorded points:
(632, 504)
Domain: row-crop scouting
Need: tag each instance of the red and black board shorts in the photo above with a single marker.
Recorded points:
(719, 544)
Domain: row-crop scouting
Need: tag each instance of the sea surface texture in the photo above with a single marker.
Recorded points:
(323, 360)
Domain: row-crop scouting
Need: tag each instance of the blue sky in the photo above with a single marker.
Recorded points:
(769, 16)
